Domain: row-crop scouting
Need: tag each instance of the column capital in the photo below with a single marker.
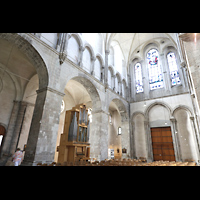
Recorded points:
(172, 119)
(81, 48)
(192, 118)
(93, 58)
(107, 51)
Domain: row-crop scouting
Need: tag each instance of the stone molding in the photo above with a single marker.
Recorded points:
(51, 90)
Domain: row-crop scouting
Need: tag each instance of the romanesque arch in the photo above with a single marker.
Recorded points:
(25, 63)
(23, 43)
(91, 89)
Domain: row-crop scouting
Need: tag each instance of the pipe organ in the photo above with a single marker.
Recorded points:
(74, 141)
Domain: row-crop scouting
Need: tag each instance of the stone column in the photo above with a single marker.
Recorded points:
(196, 136)
(148, 141)
(125, 138)
(65, 42)
(166, 80)
(5, 152)
(175, 139)
(99, 135)
(145, 78)
(103, 74)
(92, 65)
(129, 88)
(64, 38)
(81, 50)
(59, 40)
(106, 69)
(113, 78)
(18, 127)
(42, 138)
(132, 140)
(14, 130)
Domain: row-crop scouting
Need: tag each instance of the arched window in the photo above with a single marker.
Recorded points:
(138, 78)
(155, 74)
(171, 59)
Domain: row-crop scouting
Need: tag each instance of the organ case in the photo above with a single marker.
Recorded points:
(74, 141)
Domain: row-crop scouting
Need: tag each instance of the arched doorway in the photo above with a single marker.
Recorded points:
(75, 93)
(119, 137)
(80, 90)
(114, 132)
(160, 137)
(185, 132)
(2, 136)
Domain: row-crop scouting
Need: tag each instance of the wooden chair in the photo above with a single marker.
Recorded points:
(191, 164)
(39, 164)
(58, 164)
(183, 164)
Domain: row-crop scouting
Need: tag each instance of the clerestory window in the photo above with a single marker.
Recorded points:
(173, 68)
(154, 67)
(138, 78)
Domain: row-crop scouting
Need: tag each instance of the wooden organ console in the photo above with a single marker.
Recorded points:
(74, 141)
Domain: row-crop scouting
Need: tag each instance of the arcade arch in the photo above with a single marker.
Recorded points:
(22, 72)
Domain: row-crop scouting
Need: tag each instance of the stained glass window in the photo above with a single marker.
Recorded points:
(175, 79)
(138, 78)
(155, 74)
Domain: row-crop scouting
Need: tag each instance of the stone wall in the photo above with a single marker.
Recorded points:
(55, 68)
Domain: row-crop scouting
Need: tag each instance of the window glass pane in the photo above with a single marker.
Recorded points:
(155, 75)
(175, 79)
(138, 78)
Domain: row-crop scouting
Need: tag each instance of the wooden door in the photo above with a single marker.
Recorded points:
(162, 144)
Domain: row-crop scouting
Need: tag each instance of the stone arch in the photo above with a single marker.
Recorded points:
(134, 114)
(92, 91)
(184, 107)
(152, 44)
(108, 43)
(186, 133)
(98, 68)
(125, 83)
(122, 109)
(118, 76)
(87, 45)
(146, 112)
(139, 134)
(24, 44)
(100, 58)
(78, 38)
(124, 140)
(111, 68)
(110, 76)
(167, 48)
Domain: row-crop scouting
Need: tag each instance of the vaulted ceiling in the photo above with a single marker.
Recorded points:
(129, 42)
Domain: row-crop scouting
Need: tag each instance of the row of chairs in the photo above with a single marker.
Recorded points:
(121, 162)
